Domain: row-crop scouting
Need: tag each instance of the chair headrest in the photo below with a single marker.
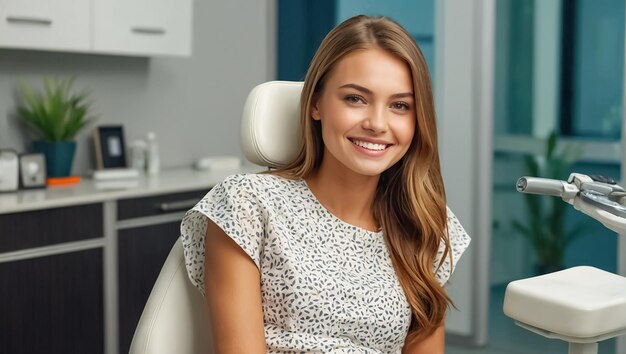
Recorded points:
(270, 125)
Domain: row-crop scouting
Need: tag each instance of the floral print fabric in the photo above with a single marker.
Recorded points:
(327, 286)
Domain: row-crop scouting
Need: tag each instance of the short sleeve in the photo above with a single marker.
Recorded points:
(233, 205)
(459, 240)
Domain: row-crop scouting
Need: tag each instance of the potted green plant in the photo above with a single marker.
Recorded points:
(545, 227)
(56, 116)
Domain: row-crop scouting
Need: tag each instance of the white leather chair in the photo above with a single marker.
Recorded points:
(174, 319)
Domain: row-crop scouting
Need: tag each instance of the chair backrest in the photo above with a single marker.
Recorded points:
(270, 124)
(174, 319)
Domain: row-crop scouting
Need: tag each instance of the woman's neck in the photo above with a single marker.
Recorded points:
(347, 195)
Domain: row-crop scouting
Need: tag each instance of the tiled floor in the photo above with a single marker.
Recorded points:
(507, 338)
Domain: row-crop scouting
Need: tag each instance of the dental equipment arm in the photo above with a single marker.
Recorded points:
(597, 196)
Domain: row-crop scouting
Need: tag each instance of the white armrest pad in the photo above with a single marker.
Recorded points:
(577, 302)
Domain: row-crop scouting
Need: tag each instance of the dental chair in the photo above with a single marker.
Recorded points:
(581, 305)
(174, 319)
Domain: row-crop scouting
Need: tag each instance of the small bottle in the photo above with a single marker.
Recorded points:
(138, 155)
(152, 155)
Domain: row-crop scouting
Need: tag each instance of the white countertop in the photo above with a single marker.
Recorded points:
(90, 191)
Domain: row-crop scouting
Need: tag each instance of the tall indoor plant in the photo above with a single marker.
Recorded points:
(56, 116)
(545, 226)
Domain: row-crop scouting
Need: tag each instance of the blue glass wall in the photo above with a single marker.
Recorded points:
(302, 24)
(416, 16)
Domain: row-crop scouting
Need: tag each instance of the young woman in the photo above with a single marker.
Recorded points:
(347, 248)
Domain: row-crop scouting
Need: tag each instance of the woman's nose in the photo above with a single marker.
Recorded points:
(376, 120)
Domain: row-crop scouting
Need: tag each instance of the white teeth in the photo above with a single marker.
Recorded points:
(369, 146)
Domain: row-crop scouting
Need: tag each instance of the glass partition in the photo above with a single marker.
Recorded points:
(559, 68)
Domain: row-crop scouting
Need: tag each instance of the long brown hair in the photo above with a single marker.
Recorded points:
(410, 201)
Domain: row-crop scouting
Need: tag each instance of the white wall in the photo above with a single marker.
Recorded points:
(464, 101)
(193, 104)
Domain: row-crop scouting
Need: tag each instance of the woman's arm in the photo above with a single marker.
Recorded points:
(233, 295)
(433, 344)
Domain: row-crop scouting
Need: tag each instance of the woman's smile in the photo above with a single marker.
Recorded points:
(369, 147)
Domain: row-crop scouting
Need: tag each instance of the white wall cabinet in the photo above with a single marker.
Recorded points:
(44, 24)
(121, 27)
(142, 26)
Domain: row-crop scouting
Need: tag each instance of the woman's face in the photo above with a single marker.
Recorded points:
(367, 112)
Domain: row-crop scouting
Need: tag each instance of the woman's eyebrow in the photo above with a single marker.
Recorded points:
(369, 92)
(358, 88)
(402, 95)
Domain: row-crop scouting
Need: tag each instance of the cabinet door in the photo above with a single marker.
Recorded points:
(142, 27)
(52, 304)
(45, 24)
(40, 228)
(142, 252)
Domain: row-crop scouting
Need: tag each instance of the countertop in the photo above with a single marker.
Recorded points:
(91, 191)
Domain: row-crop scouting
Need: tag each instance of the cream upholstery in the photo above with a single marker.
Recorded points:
(174, 318)
(270, 125)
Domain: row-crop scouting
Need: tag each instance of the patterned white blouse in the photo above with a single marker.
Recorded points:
(327, 286)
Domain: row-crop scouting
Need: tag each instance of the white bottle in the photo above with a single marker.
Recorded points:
(152, 155)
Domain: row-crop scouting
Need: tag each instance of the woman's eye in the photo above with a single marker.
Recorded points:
(401, 106)
(353, 99)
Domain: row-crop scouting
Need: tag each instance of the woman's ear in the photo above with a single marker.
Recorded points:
(315, 112)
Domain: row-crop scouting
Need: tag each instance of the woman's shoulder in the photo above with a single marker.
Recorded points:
(454, 225)
(459, 241)
(459, 238)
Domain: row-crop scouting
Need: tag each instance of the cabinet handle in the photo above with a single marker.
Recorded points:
(29, 20)
(178, 205)
(148, 30)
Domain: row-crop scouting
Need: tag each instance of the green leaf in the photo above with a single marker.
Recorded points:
(57, 114)
(531, 165)
(521, 229)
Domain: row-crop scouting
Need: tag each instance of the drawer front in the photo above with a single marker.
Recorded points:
(126, 27)
(43, 24)
(158, 205)
(48, 227)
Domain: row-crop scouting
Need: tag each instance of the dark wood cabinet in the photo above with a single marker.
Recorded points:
(57, 264)
(52, 304)
(142, 252)
(51, 297)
